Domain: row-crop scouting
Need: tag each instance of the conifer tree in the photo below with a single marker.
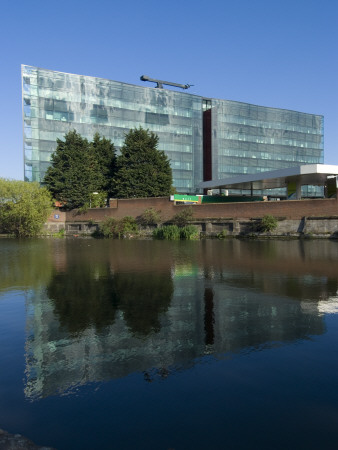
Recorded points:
(141, 169)
(73, 174)
(104, 153)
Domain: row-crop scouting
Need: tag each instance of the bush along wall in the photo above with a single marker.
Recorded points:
(173, 232)
(117, 229)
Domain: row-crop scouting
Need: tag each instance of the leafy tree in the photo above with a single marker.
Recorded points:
(142, 170)
(104, 153)
(24, 207)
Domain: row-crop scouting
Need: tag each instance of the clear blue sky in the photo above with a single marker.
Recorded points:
(279, 53)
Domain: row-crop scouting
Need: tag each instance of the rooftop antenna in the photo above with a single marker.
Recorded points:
(160, 83)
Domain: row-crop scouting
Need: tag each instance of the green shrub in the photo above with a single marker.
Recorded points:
(107, 227)
(174, 233)
(127, 225)
(150, 217)
(223, 234)
(182, 218)
(268, 223)
(189, 232)
(59, 234)
(114, 228)
(167, 232)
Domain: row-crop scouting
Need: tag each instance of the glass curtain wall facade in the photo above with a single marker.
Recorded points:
(248, 139)
(55, 103)
(203, 138)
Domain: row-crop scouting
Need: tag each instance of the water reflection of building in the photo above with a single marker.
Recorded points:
(205, 308)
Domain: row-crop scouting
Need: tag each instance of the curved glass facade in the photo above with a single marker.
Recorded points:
(55, 102)
(243, 138)
(248, 139)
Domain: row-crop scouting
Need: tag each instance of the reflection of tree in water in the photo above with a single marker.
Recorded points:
(25, 263)
(82, 300)
(143, 298)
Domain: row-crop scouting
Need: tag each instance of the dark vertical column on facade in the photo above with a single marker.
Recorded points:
(330, 188)
(207, 167)
(209, 317)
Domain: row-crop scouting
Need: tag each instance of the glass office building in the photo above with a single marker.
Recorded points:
(203, 138)
(248, 139)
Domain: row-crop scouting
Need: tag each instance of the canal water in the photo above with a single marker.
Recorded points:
(169, 345)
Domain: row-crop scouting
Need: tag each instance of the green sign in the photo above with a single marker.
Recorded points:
(186, 198)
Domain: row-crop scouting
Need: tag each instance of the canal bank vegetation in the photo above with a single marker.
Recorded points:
(268, 223)
(214, 228)
(150, 217)
(182, 218)
(118, 229)
(180, 229)
(173, 232)
(148, 225)
(24, 207)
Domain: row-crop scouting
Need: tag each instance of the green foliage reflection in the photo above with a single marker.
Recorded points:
(143, 298)
(84, 297)
(26, 264)
(82, 300)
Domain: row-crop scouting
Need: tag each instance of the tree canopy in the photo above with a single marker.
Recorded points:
(80, 168)
(141, 169)
(104, 153)
(24, 207)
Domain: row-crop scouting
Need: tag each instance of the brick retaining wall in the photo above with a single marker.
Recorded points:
(289, 209)
(317, 216)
